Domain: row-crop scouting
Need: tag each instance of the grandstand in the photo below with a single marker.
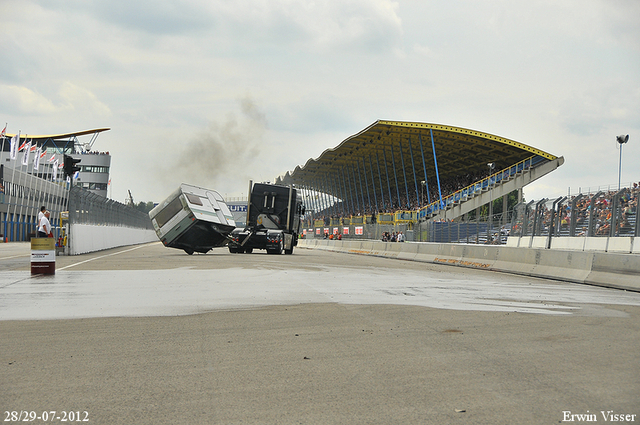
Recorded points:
(396, 172)
(599, 214)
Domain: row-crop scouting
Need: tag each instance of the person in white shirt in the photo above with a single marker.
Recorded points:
(44, 229)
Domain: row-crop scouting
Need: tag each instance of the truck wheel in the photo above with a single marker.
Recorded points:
(248, 250)
(288, 251)
(233, 249)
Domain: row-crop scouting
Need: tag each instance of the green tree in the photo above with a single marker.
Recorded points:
(144, 207)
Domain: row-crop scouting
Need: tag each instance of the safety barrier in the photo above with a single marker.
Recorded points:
(97, 223)
(594, 267)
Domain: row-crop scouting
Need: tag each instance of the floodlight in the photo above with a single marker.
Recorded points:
(621, 139)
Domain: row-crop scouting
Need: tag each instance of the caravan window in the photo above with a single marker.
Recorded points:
(173, 208)
(194, 199)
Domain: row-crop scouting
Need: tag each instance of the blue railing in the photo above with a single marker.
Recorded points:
(478, 187)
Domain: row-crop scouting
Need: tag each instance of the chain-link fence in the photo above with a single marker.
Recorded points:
(88, 208)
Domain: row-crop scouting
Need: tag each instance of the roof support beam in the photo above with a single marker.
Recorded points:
(415, 179)
(348, 195)
(366, 182)
(388, 182)
(343, 195)
(435, 161)
(395, 175)
(373, 183)
(424, 167)
(336, 182)
(380, 180)
(404, 173)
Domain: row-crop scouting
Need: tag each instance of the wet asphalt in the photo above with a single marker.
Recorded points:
(147, 334)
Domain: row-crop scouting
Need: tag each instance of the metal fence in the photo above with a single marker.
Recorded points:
(478, 231)
(600, 214)
(88, 208)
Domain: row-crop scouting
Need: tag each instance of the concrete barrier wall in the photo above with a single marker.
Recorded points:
(611, 269)
(85, 238)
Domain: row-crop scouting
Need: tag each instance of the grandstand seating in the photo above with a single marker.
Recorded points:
(492, 187)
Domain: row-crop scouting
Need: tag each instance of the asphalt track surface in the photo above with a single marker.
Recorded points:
(150, 335)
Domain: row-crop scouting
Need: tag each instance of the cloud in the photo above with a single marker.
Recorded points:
(79, 99)
(588, 112)
(16, 99)
(70, 99)
(562, 77)
(249, 25)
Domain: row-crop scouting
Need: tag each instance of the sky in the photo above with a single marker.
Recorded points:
(214, 93)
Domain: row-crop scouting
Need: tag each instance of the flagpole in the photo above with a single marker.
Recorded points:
(27, 183)
(15, 208)
(14, 153)
(3, 138)
(14, 167)
(39, 183)
(59, 194)
(4, 189)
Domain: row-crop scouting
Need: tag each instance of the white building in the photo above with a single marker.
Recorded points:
(27, 184)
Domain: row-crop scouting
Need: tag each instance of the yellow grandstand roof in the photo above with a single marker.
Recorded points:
(458, 151)
(60, 136)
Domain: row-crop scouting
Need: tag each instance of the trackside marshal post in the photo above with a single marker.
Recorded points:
(43, 256)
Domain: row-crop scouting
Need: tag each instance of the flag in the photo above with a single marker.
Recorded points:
(36, 160)
(76, 175)
(52, 159)
(25, 154)
(55, 170)
(33, 148)
(4, 131)
(23, 145)
(13, 150)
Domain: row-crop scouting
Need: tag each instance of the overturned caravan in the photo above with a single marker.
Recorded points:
(193, 219)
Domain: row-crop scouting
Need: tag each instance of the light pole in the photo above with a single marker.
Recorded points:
(491, 166)
(422, 185)
(622, 139)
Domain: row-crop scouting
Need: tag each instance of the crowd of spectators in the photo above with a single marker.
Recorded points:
(393, 237)
(414, 203)
(602, 214)
(93, 153)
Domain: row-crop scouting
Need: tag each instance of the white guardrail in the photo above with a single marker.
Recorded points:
(596, 267)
